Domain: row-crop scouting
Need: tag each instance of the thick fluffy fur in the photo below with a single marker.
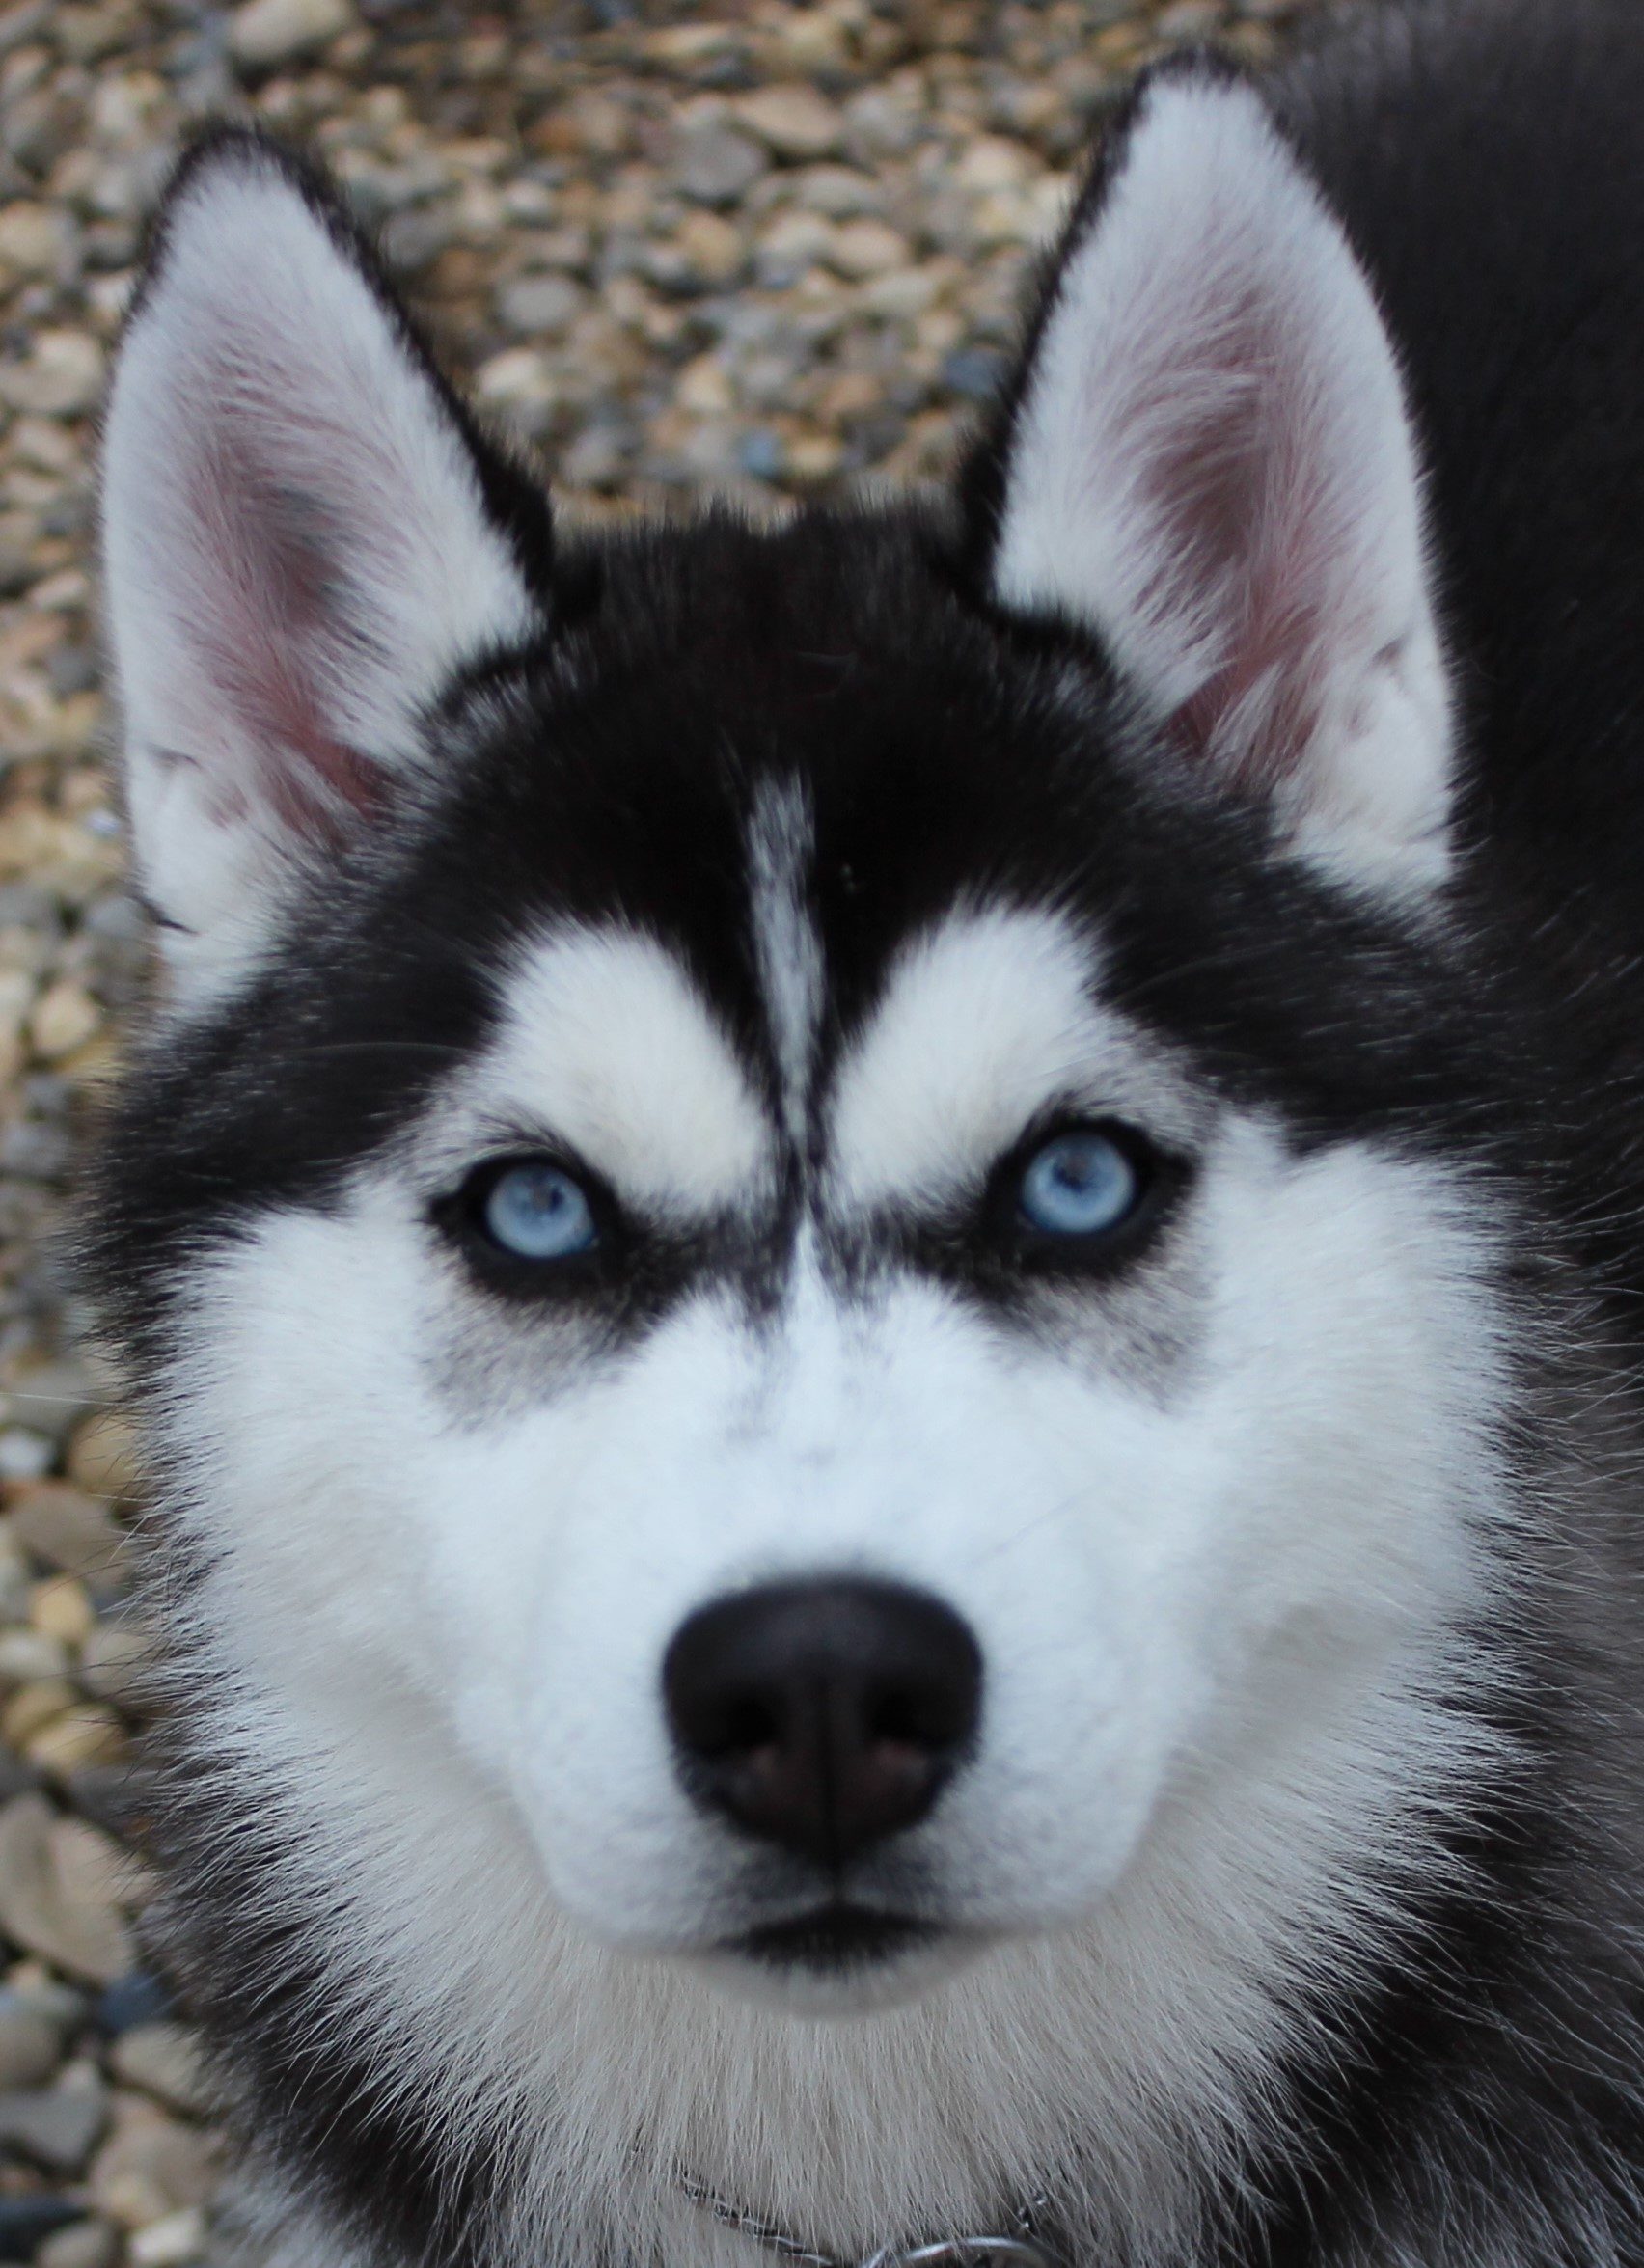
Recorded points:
(1200, 771)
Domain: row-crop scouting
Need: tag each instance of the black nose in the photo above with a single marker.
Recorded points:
(822, 1716)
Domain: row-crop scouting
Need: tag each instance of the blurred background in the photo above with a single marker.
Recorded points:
(770, 250)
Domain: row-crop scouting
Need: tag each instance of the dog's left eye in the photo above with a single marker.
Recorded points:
(1079, 1185)
(535, 1210)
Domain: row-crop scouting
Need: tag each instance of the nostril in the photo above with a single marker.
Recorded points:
(738, 1722)
(822, 1716)
(916, 1717)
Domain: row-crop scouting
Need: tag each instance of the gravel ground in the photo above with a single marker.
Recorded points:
(772, 250)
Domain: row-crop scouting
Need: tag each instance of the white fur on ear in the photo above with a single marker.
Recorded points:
(297, 551)
(1212, 466)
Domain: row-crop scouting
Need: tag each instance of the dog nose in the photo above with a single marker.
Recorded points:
(822, 1716)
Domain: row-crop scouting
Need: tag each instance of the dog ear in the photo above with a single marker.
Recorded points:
(303, 537)
(1207, 461)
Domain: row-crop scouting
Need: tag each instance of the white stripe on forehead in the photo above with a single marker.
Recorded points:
(787, 950)
(984, 1021)
(608, 1046)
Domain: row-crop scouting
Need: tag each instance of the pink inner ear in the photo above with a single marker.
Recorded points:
(277, 638)
(1256, 542)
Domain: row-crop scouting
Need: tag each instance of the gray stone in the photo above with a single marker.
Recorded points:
(31, 2044)
(265, 33)
(58, 2127)
(530, 304)
(715, 165)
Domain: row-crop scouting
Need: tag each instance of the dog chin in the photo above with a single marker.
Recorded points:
(838, 1960)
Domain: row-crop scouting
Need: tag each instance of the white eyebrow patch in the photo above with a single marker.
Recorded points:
(608, 1046)
(984, 1021)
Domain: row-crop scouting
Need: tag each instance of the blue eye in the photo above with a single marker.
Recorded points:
(1079, 1185)
(536, 1212)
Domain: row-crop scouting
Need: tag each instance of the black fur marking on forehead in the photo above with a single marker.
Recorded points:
(945, 761)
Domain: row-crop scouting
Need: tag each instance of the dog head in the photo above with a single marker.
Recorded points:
(799, 1225)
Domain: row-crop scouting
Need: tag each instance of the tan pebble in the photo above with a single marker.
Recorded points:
(869, 248)
(64, 1018)
(265, 33)
(810, 39)
(64, 1526)
(520, 373)
(1119, 45)
(34, 1706)
(65, 592)
(1006, 217)
(45, 446)
(36, 240)
(61, 375)
(794, 121)
(991, 162)
(164, 2060)
(131, 2199)
(172, 2243)
(150, 2166)
(852, 393)
(87, 1733)
(116, 1663)
(813, 457)
(692, 42)
(88, 34)
(703, 389)
(58, 1890)
(99, 1063)
(103, 1461)
(88, 2244)
(711, 244)
(62, 1608)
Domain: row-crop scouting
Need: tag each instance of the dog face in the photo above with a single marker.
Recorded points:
(800, 1334)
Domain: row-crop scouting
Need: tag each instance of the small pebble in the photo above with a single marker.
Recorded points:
(266, 33)
(30, 2044)
(66, 1528)
(795, 121)
(152, 2165)
(59, 1891)
(85, 2243)
(172, 2243)
(163, 2059)
(58, 2127)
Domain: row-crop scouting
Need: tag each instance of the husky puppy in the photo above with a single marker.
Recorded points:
(886, 1274)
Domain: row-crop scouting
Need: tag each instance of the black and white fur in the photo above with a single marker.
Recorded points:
(1254, 753)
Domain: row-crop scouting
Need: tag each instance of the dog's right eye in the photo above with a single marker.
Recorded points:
(534, 1210)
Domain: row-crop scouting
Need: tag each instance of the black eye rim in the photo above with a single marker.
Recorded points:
(1162, 1175)
(459, 1216)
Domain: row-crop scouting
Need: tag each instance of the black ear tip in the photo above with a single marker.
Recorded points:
(228, 151)
(226, 148)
